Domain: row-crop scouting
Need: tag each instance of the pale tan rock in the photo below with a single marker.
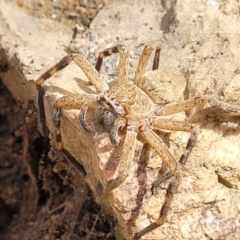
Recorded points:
(200, 41)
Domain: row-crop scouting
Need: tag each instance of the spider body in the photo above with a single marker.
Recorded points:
(135, 109)
(134, 103)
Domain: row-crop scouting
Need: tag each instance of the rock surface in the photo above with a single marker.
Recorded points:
(201, 42)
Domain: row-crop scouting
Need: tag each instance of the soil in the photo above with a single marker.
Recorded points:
(32, 195)
(71, 12)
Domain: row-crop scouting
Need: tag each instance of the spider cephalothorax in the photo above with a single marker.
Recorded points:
(135, 109)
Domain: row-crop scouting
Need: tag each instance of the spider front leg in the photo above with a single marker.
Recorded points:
(123, 159)
(93, 76)
(67, 103)
(172, 188)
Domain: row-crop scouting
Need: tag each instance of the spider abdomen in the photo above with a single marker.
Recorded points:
(162, 87)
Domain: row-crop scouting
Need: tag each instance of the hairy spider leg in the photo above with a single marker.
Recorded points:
(90, 72)
(197, 102)
(144, 59)
(123, 62)
(157, 143)
(172, 188)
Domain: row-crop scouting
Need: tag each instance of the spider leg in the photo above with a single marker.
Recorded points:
(160, 148)
(124, 160)
(114, 135)
(172, 125)
(179, 107)
(123, 62)
(84, 64)
(82, 120)
(156, 58)
(78, 102)
(144, 59)
(75, 101)
(169, 125)
(201, 102)
(172, 188)
(190, 144)
(229, 108)
(68, 102)
(90, 72)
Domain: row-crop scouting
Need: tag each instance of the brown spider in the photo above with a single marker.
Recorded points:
(133, 108)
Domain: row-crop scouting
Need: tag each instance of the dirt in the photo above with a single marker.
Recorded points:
(44, 196)
(33, 196)
(71, 12)
(36, 202)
